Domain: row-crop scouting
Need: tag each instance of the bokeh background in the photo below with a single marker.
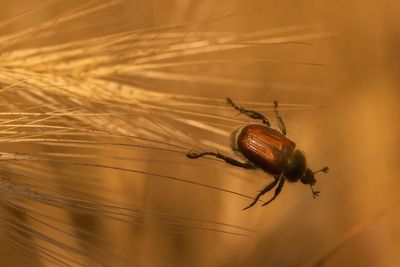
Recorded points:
(114, 194)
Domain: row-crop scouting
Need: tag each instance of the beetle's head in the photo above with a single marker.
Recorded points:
(309, 178)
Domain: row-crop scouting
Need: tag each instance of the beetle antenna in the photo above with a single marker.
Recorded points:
(324, 169)
(315, 193)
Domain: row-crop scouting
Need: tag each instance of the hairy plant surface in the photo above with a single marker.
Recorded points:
(101, 101)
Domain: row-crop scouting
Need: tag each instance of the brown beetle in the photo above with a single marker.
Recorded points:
(267, 149)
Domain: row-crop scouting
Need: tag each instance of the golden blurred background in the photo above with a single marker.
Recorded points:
(101, 101)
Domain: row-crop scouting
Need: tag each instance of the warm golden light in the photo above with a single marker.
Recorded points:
(103, 100)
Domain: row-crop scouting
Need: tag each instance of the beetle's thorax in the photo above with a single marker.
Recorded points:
(296, 166)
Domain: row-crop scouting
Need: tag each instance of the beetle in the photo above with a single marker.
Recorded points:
(267, 149)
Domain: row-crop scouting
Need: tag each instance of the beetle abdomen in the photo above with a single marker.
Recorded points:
(267, 148)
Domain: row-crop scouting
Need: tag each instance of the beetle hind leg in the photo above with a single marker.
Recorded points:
(249, 113)
(229, 160)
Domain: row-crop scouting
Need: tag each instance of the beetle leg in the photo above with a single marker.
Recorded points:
(277, 190)
(231, 161)
(249, 113)
(262, 192)
(281, 124)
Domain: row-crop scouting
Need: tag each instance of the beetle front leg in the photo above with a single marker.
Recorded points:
(277, 191)
(262, 192)
(229, 160)
(281, 124)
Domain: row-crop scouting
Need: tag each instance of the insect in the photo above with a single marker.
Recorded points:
(267, 149)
